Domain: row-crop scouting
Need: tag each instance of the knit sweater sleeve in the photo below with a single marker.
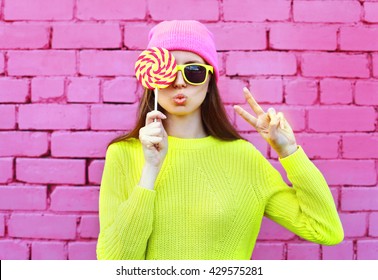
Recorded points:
(307, 208)
(126, 212)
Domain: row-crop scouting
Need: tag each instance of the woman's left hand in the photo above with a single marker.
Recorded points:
(272, 126)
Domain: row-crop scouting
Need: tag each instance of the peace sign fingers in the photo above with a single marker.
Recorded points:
(252, 102)
(247, 116)
(271, 125)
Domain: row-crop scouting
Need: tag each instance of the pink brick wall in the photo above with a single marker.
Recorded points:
(67, 88)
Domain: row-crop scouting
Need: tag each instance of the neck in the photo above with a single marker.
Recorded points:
(185, 126)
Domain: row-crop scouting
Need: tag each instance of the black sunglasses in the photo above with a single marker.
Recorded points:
(195, 73)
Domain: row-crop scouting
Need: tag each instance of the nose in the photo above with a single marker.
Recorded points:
(179, 81)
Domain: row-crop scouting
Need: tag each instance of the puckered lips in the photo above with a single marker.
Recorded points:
(179, 99)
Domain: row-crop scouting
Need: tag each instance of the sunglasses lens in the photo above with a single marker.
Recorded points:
(195, 73)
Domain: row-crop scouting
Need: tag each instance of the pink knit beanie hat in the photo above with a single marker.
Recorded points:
(185, 35)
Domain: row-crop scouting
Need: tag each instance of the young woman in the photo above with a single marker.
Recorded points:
(188, 186)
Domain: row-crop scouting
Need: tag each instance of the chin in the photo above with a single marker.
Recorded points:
(179, 110)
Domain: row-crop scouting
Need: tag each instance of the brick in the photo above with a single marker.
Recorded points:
(95, 170)
(371, 12)
(23, 36)
(335, 195)
(113, 10)
(272, 231)
(2, 225)
(136, 34)
(8, 116)
(303, 251)
(231, 90)
(341, 119)
(260, 63)
(12, 143)
(83, 90)
(46, 226)
(23, 198)
(221, 63)
(86, 35)
(319, 146)
(335, 91)
(75, 199)
(301, 92)
(361, 172)
(33, 116)
(108, 63)
(82, 144)
(359, 146)
(13, 250)
(122, 90)
(207, 10)
(113, 117)
(40, 10)
(6, 167)
(13, 91)
(359, 199)
(1, 63)
(358, 38)
(373, 225)
(257, 141)
(239, 36)
(47, 89)
(295, 37)
(268, 251)
(41, 63)
(367, 249)
(254, 10)
(230, 112)
(295, 117)
(326, 11)
(267, 90)
(335, 65)
(375, 65)
(89, 227)
(366, 93)
(354, 224)
(82, 251)
(342, 251)
(50, 171)
(42, 250)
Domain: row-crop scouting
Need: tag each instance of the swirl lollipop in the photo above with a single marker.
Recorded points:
(156, 68)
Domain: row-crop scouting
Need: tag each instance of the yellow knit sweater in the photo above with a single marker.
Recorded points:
(208, 201)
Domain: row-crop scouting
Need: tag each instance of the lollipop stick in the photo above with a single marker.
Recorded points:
(156, 91)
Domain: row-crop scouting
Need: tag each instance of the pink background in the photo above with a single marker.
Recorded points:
(67, 88)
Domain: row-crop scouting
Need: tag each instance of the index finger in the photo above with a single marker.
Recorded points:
(154, 115)
(252, 102)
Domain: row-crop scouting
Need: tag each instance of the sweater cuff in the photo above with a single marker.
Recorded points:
(295, 162)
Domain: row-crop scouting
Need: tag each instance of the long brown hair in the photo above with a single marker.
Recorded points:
(213, 114)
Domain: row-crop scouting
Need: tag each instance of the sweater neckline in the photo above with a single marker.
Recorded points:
(191, 143)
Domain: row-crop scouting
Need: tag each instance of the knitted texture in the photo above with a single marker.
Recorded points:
(208, 201)
(186, 35)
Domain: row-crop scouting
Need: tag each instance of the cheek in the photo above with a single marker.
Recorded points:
(204, 88)
(163, 98)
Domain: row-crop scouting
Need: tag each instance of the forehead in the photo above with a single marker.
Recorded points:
(183, 57)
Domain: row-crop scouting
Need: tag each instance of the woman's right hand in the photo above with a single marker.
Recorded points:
(154, 139)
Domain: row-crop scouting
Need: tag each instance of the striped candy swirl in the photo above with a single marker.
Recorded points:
(156, 68)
